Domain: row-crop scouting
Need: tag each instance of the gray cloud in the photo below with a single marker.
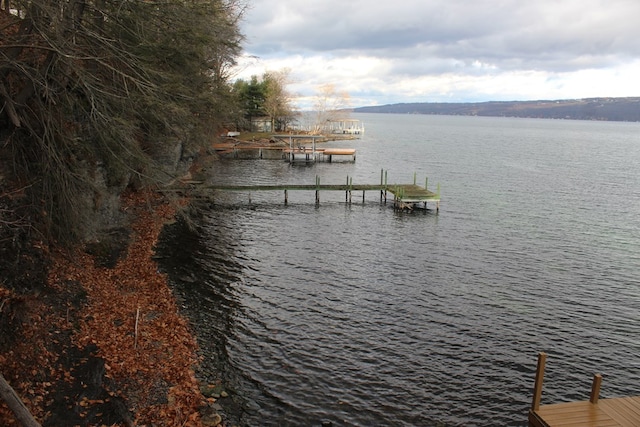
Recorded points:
(469, 38)
(513, 33)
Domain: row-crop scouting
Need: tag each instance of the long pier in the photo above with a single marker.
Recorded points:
(405, 196)
(595, 412)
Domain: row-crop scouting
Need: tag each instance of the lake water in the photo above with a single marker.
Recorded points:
(359, 315)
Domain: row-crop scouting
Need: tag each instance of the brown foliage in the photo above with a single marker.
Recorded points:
(129, 314)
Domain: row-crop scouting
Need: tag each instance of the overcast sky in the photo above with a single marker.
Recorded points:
(391, 51)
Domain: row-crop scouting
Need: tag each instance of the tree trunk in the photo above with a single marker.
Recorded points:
(21, 412)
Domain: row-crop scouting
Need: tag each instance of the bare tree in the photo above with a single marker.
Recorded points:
(330, 105)
(278, 101)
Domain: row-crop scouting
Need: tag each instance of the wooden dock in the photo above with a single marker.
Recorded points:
(405, 196)
(318, 154)
(595, 412)
(289, 147)
(297, 151)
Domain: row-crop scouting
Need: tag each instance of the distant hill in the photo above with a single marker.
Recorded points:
(612, 109)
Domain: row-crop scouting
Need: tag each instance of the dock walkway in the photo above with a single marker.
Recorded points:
(595, 412)
(405, 196)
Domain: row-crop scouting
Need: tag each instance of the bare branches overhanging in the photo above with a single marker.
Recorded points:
(104, 82)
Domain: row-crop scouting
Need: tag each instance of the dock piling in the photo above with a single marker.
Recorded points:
(537, 387)
(346, 193)
(595, 388)
(385, 186)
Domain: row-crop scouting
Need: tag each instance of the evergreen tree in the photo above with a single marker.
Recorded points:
(268, 97)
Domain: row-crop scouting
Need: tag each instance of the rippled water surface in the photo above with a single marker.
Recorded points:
(362, 316)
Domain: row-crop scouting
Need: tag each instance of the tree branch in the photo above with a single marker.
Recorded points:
(21, 412)
(8, 106)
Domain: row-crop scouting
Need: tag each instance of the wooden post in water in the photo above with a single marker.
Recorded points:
(350, 188)
(291, 155)
(317, 190)
(595, 388)
(313, 149)
(346, 192)
(414, 178)
(385, 187)
(286, 199)
(537, 387)
(426, 187)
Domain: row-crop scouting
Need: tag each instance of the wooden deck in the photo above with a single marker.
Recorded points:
(294, 148)
(595, 412)
(623, 412)
(328, 153)
(278, 152)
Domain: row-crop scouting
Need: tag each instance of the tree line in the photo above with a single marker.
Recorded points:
(98, 95)
(267, 97)
(106, 87)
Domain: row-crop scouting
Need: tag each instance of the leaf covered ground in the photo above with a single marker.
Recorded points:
(103, 343)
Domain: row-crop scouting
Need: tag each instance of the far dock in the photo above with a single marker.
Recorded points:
(293, 148)
(595, 412)
(317, 154)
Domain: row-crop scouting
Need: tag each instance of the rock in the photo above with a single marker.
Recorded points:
(224, 394)
(211, 390)
(252, 406)
(211, 419)
(209, 416)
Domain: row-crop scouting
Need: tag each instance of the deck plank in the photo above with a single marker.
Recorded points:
(626, 410)
(616, 412)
